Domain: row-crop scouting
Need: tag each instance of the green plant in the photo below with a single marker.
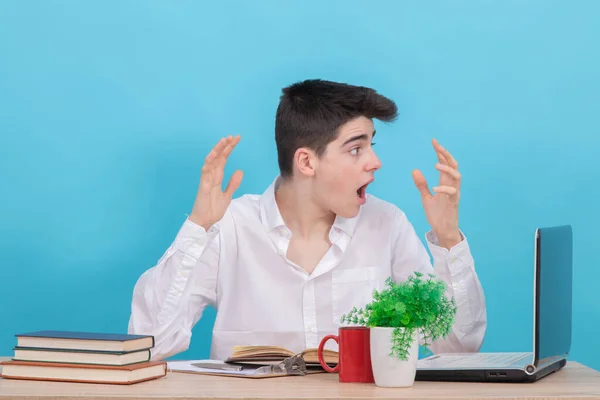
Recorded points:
(415, 304)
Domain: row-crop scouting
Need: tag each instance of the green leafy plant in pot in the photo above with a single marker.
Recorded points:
(397, 315)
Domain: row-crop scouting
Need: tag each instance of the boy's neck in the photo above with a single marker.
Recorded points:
(300, 212)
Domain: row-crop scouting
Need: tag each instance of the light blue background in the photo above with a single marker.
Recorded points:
(108, 108)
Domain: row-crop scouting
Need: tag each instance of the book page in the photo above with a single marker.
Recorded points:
(311, 356)
(260, 351)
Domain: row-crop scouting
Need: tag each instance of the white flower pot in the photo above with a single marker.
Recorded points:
(390, 371)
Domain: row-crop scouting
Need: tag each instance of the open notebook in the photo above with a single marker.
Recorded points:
(221, 368)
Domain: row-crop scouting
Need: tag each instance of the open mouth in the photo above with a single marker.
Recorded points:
(361, 192)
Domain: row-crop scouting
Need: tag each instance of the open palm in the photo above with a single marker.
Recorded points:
(441, 208)
(211, 200)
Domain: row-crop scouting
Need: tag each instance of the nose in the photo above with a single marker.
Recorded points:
(374, 162)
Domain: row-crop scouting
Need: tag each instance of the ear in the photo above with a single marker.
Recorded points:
(305, 161)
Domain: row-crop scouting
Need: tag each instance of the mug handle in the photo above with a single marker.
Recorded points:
(320, 354)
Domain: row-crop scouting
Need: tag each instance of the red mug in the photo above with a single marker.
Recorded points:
(354, 354)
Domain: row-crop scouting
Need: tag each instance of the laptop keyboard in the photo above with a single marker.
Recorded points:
(474, 360)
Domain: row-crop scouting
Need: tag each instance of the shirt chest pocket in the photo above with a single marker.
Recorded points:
(352, 287)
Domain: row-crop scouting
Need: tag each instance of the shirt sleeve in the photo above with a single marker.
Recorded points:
(169, 298)
(456, 267)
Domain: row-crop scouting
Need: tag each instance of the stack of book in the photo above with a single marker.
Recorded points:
(83, 357)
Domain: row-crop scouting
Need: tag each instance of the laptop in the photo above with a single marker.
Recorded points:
(552, 305)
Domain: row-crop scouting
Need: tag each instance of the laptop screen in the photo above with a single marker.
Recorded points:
(554, 280)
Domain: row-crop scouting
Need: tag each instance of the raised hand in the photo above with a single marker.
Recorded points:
(441, 209)
(211, 201)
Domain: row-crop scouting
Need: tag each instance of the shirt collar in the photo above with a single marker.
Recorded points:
(271, 217)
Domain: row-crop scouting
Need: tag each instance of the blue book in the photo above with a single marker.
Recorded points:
(90, 341)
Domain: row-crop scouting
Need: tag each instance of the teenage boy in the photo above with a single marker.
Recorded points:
(282, 267)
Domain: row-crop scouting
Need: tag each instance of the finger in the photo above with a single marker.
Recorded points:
(218, 149)
(218, 164)
(229, 148)
(450, 190)
(449, 170)
(234, 183)
(213, 154)
(212, 164)
(442, 159)
(421, 183)
(438, 153)
(217, 174)
(450, 160)
(222, 159)
(208, 177)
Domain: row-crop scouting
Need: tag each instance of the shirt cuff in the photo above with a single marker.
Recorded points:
(457, 257)
(192, 238)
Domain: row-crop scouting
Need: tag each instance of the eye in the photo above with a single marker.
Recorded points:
(355, 150)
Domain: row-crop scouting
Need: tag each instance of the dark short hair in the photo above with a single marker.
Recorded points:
(310, 113)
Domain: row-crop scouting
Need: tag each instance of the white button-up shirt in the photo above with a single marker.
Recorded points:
(262, 298)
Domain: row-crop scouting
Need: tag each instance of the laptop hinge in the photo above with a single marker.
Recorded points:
(531, 369)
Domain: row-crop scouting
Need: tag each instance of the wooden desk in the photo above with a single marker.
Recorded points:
(574, 382)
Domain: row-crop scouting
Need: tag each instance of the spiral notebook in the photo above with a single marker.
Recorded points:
(292, 366)
(220, 368)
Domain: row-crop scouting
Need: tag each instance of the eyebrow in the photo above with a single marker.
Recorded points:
(364, 136)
